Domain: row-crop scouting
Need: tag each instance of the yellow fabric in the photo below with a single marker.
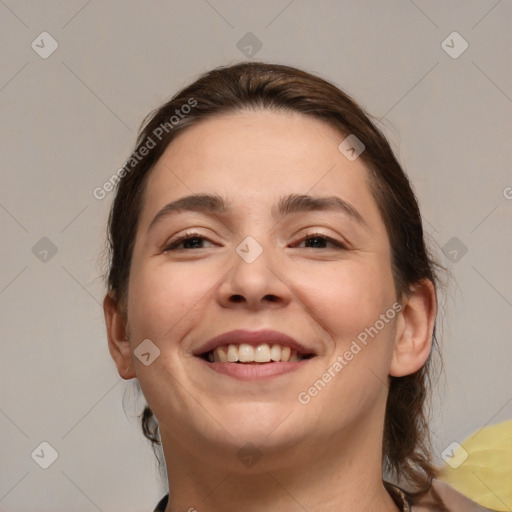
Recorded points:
(481, 467)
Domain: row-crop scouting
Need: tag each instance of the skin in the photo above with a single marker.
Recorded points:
(325, 455)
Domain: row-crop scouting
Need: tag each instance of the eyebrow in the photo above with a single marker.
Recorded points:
(212, 204)
(202, 203)
(298, 203)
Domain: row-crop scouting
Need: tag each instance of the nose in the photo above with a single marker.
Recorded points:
(254, 284)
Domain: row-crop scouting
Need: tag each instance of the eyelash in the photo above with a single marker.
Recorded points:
(172, 246)
(336, 243)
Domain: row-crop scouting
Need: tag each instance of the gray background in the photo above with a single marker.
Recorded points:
(69, 122)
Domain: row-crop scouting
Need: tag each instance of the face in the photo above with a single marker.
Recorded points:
(258, 257)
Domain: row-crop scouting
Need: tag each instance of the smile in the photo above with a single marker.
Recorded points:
(262, 353)
(253, 355)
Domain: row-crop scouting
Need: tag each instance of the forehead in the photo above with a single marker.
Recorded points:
(256, 158)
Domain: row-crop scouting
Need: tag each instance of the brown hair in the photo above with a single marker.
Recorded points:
(254, 86)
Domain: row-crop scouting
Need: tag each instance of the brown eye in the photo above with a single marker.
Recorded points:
(188, 241)
(319, 241)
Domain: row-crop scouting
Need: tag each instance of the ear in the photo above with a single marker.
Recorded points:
(414, 335)
(118, 343)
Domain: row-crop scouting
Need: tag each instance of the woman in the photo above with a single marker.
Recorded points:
(271, 291)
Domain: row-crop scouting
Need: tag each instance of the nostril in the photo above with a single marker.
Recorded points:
(268, 298)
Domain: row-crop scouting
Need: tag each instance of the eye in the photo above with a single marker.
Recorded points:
(188, 241)
(319, 241)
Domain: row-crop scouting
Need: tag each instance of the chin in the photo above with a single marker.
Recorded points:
(267, 426)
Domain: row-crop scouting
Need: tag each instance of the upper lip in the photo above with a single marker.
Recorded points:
(254, 338)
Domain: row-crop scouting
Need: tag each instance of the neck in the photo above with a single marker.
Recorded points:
(342, 473)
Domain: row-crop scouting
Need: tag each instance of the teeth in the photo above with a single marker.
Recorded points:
(262, 353)
(294, 357)
(232, 353)
(275, 353)
(223, 354)
(245, 353)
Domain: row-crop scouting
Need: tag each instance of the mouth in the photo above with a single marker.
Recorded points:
(262, 353)
(249, 355)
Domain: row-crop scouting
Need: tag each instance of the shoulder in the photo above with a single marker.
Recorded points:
(453, 500)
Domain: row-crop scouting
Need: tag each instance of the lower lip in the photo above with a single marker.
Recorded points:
(255, 371)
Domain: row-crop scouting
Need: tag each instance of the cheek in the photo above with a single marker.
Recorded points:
(349, 306)
(164, 299)
(346, 299)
